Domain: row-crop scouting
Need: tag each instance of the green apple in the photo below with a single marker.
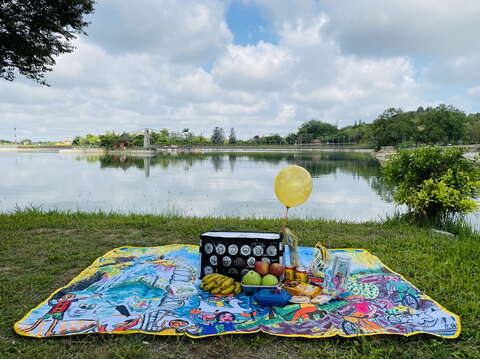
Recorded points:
(252, 278)
(269, 280)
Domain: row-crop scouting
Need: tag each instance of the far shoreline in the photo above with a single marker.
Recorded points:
(381, 155)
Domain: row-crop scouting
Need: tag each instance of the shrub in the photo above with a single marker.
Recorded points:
(434, 183)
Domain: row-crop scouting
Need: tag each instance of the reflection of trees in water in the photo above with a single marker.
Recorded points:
(121, 161)
(318, 164)
(361, 165)
(232, 160)
(217, 161)
(381, 188)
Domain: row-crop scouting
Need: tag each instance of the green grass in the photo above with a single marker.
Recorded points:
(42, 251)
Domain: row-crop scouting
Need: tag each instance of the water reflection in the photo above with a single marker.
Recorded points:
(318, 164)
(346, 185)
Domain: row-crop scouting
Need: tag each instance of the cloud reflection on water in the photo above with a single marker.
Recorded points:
(217, 184)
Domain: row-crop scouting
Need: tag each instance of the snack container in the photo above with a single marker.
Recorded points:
(316, 281)
(297, 299)
(301, 274)
(321, 299)
(302, 289)
(340, 270)
(182, 290)
(272, 297)
(289, 273)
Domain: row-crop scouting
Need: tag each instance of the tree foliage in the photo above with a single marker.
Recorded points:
(34, 32)
(472, 129)
(291, 138)
(313, 129)
(88, 140)
(109, 140)
(273, 139)
(392, 127)
(232, 139)
(439, 125)
(432, 182)
(218, 136)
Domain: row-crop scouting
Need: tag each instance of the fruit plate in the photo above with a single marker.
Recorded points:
(252, 289)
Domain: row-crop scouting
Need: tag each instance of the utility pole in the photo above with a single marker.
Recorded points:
(15, 134)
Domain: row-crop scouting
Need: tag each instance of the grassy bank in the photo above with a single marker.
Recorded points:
(41, 252)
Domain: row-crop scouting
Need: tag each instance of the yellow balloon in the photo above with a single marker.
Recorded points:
(293, 185)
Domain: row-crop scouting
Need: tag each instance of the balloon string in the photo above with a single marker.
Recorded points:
(285, 220)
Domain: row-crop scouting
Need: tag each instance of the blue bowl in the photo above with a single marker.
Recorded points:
(252, 289)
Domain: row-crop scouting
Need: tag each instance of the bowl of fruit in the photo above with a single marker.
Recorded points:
(263, 276)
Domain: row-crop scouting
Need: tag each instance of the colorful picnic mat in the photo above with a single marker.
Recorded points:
(127, 291)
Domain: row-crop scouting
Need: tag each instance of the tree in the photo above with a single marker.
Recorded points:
(434, 183)
(92, 140)
(472, 129)
(218, 136)
(109, 139)
(232, 139)
(291, 138)
(442, 124)
(34, 32)
(274, 139)
(313, 129)
(358, 133)
(138, 140)
(188, 135)
(160, 138)
(392, 127)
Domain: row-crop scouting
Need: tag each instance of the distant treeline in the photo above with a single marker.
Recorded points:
(394, 127)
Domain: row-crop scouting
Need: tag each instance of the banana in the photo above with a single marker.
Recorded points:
(227, 283)
(220, 281)
(208, 276)
(238, 288)
(228, 290)
(216, 290)
(210, 286)
(214, 277)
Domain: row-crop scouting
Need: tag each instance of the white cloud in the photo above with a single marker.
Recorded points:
(399, 27)
(188, 31)
(304, 32)
(255, 67)
(163, 63)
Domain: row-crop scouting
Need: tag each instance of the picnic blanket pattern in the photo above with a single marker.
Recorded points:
(127, 291)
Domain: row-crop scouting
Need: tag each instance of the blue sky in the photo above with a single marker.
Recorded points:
(260, 66)
(249, 25)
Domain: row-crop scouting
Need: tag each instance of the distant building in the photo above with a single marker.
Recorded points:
(124, 141)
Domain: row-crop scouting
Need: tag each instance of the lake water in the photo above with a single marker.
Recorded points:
(345, 187)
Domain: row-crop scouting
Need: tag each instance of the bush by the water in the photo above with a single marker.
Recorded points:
(434, 183)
